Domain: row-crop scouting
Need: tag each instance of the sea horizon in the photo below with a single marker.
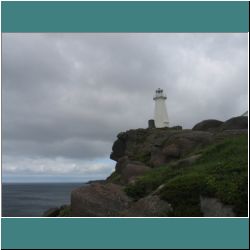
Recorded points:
(33, 199)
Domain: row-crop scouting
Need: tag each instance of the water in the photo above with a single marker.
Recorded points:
(32, 199)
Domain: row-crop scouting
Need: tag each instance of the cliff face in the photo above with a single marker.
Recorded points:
(173, 172)
(155, 147)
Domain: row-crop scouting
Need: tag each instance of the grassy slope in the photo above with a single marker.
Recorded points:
(221, 172)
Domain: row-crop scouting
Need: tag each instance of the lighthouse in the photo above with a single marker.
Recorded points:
(160, 115)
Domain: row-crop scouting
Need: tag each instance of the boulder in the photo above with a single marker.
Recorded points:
(240, 122)
(179, 145)
(150, 206)
(121, 164)
(189, 140)
(157, 157)
(98, 200)
(212, 207)
(208, 125)
(133, 170)
(128, 170)
(172, 151)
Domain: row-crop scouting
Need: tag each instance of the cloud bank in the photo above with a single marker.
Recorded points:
(66, 96)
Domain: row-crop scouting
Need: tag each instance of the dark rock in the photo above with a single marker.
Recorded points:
(189, 139)
(212, 207)
(228, 133)
(155, 147)
(179, 145)
(136, 152)
(118, 149)
(129, 169)
(208, 125)
(133, 170)
(172, 151)
(130, 144)
(52, 212)
(121, 164)
(96, 181)
(240, 122)
(122, 136)
(176, 127)
(157, 157)
(150, 206)
(98, 200)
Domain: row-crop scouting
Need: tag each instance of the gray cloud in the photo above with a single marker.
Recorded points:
(68, 95)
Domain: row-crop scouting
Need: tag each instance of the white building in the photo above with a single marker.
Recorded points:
(160, 114)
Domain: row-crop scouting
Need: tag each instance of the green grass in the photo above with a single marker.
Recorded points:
(145, 158)
(65, 212)
(183, 192)
(150, 181)
(221, 172)
(114, 177)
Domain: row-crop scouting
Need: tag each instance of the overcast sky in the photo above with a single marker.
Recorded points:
(65, 97)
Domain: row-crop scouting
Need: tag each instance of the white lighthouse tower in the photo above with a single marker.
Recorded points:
(160, 115)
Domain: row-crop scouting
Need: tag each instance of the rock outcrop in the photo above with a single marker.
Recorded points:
(235, 123)
(156, 146)
(133, 170)
(99, 200)
(208, 125)
(150, 206)
(139, 153)
(212, 207)
(240, 122)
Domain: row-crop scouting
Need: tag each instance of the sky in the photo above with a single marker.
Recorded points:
(65, 96)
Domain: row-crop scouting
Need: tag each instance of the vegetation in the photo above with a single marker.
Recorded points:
(221, 172)
(114, 177)
(144, 157)
(65, 211)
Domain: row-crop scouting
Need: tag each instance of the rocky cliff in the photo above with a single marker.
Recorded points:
(173, 172)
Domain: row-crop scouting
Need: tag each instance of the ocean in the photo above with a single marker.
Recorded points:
(33, 199)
